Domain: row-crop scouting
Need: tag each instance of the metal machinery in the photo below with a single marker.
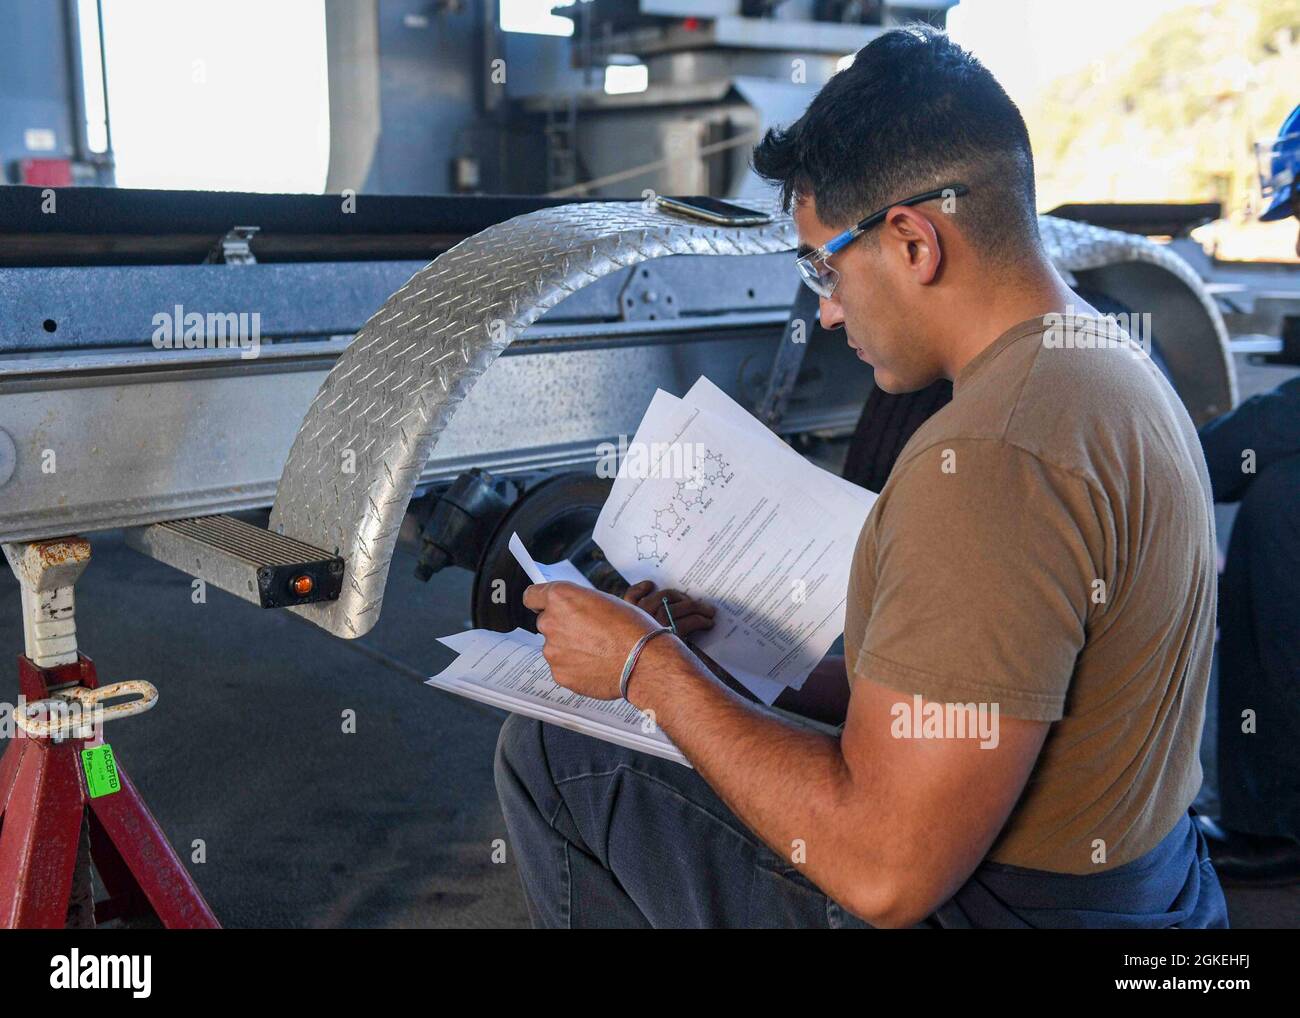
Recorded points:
(719, 73)
(1260, 300)
(44, 137)
(520, 113)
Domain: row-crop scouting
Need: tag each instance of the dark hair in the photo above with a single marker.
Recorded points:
(914, 111)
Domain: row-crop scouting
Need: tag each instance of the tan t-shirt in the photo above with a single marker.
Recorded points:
(1046, 542)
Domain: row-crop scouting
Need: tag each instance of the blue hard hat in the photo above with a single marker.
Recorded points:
(1279, 166)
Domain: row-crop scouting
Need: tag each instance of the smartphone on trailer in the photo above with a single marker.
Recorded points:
(713, 210)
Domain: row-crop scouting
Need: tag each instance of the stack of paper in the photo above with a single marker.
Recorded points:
(507, 670)
(710, 502)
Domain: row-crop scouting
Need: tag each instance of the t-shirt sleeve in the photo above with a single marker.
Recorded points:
(984, 579)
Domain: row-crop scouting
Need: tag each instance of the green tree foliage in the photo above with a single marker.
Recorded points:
(1173, 115)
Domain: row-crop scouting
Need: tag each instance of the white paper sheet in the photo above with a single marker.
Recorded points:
(507, 670)
(539, 573)
(718, 511)
(707, 396)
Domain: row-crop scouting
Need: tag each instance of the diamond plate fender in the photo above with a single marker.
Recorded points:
(369, 431)
(1148, 277)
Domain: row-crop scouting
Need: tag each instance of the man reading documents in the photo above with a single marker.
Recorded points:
(1030, 603)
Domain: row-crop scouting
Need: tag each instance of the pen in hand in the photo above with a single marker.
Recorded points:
(672, 624)
(684, 615)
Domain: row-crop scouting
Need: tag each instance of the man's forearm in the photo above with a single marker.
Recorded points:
(789, 785)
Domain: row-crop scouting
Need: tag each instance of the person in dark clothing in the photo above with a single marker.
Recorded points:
(1253, 455)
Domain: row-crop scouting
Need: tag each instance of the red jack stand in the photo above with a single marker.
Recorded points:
(44, 803)
(54, 822)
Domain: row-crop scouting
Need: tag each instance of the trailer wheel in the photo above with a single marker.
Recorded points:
(555, 520)
(888, 421)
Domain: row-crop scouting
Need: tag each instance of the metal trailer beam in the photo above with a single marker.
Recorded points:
(97, 444)
(124, 226)
(108, 431)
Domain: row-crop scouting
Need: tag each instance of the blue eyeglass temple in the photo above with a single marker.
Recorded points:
(853, 232)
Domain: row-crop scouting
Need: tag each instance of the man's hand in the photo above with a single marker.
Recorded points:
(590, 634)
(689, 614)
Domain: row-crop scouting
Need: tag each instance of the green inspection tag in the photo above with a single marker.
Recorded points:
(101, 771)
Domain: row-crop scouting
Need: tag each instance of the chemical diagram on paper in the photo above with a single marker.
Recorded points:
(668, 520)
(696, 493)
(647, 547)
(714, 469)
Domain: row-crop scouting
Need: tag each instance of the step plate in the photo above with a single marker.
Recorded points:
(257, 565)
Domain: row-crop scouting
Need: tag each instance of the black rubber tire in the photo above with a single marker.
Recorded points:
(555, 520)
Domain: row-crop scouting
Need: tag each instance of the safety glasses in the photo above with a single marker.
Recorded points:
(814, 267)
